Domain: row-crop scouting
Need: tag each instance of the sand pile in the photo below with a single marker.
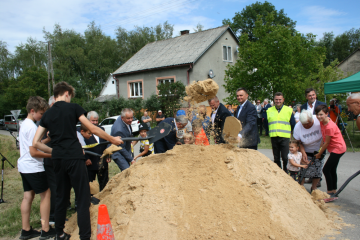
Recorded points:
(201, 91)
(208, 192)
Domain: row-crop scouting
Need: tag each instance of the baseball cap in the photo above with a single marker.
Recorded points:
(159, 111)
(180, 112)
(143, 127)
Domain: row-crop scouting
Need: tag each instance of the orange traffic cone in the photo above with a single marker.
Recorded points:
(104, 229)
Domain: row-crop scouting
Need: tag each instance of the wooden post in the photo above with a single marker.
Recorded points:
(48, 68)
(52, 69)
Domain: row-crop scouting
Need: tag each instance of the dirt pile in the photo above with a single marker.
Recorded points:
(201, 91)
(208, 192)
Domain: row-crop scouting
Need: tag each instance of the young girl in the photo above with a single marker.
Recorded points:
(145, 147)
(334, 142)
(294, 163)
(188, 138)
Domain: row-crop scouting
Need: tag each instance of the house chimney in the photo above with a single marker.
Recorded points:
(183, 32)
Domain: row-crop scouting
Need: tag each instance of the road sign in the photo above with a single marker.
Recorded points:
(15, 113)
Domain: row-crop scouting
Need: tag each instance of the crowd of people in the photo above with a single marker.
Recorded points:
(52, 160)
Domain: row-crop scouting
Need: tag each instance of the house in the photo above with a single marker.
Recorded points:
(351, 64)
(185, 58)
(109, 90)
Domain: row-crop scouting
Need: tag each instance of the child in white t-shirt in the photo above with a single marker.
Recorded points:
(31, 168)
(295, 158)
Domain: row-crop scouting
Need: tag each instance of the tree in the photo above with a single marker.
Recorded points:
(199, 28)
(130, 42)
(278, 61)
(244, 22)
(341, 47)
(170, 96)
(32, 82)
(354, 37)
(327, 41)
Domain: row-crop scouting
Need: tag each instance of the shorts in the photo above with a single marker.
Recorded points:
(35, 181)
(294, 175)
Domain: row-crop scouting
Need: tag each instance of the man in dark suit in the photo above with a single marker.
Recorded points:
(266, 106)
(311, 103)
(218, 116)
(247, 115)
(93, 163)
(122, 128)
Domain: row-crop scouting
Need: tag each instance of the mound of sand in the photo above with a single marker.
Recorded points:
(201, 91)
(208, 192)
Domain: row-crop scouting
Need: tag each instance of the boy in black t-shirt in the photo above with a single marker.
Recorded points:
(67, 156)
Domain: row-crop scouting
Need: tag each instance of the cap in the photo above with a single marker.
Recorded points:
(180, 112)
(159, 111)
(143, 126)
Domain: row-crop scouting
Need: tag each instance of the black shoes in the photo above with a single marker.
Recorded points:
(65, 237)
(49, 234)
(29, 234)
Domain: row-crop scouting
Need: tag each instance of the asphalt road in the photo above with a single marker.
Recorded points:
(348, 204)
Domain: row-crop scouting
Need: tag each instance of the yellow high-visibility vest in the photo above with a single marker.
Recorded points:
(279, 122)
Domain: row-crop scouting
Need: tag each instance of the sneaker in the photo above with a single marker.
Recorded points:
(318, 185)
(49, 234)
(29, 234)
(65, 237)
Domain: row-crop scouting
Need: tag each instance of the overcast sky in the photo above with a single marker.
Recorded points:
(20, 19)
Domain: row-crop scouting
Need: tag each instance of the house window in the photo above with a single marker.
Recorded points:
(169, 80)
(135, 89)
(164, 80)
(227, 53)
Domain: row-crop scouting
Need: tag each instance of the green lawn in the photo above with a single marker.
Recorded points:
(10, 220)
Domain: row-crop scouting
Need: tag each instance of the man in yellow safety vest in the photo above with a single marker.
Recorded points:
(281, 123)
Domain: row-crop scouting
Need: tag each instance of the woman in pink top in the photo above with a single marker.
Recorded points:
(334, 142)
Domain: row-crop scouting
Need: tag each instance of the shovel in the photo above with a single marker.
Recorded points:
(155, 134)
(334, 196)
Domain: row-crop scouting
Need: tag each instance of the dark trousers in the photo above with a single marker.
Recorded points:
(74, 172)
(122, 163)
(329, 170)
(266, 126)
(50, 174)
(103, 177)
(251, 147)
(260, 125)
(280, 146)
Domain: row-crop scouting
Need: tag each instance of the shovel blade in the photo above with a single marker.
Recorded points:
(159, 132)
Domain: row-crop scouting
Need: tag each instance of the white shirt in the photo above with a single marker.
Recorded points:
(310, 138)
(213, 115)
(27, 163)
(297, 159)
(81, 138)
(311, 109)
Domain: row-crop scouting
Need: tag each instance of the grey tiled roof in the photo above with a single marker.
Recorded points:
(174, 51)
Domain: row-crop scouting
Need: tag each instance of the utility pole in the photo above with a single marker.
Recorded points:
(52, 69)
(48, 69)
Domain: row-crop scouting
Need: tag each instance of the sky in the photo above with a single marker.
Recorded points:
(22, 19)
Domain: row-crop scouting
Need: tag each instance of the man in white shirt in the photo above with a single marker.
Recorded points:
(312, 102)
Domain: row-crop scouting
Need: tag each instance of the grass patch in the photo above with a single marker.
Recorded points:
(10, 220)
(354, 137)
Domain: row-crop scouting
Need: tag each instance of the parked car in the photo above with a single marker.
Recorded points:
(108, 122)
(11, 123)
(2, 124)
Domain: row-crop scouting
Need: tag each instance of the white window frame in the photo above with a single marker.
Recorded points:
(132, 85)
(228, 49)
